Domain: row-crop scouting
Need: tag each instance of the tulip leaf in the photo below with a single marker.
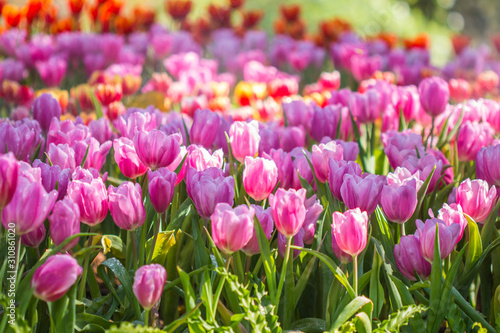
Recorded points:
(95, 103)
(113, 244)
(309, 325)
(305, 184)
(376, 291)
(474, 245)
(435, 280)
(363, 323)
(489, 224)
(85, 156)
(455, 128)
(164, 242)
(360, 303)
(188, 141)
(180, 215)
(84, 320)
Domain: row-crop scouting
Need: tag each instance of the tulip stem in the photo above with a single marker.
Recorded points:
(402, 230)
(238, 266)
(134, 247)
(146, 318)
(86, 264)
(355, 275)
(283, 271)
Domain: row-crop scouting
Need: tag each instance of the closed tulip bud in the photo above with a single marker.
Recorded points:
(92, 199)
(453, 214)
(338, 169)
(325, 121)
(205, 127)
(8, 178)
(365, 107)
(45, 107)
(298, 240)
(126, 157)
(292, 137)
(65, 222)
(232, 228)
(259, 177)
(350, 230)
(434, 95)
(487, 160)
(149, 281)
(161, 188)
(54, 278)
(62, 155)
(426, 234)
(126, 205)
(207, 188)
(289, 211)
(342, 256)
(157, 149)
(244, 138)
(476, 198)
(409, 259)
(399, 201)
(265, 217)
(321, 155)
(313, 211)
(30, 195)
(34, 238)
(409, 102)
(472, 136)
(362, 192)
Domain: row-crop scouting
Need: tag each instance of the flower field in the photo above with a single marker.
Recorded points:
(211, 177)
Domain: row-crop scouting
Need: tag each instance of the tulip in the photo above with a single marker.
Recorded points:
(52, 176)
(149, 281)
(292, 137)
(265, 217)
(201, 159)
(269, 139)
(289, 211)
(244, 138)
(399, 201)
(207, 188)
(62, 155)
(329, 81)
(126, 205)
(298, 113)
(29, 206)
(342, 256)
(20, 138)
(205, 127)
(34, 238)
(321, 155)
(157, 149)
(409, 259)
(402, 145)
(302, 168)
(460, 89)
(426, 234)
(402, 176)
(424, 166)
(434, 95)
(92, 199)
(453, 214)
(66, 132)
(54, 278)
(126, 157)
(8, 178)
(45, 107)
(259, 177)
(365, 107)
(487, 161)
(313, 211)
(65, 222)
(350, 149)
(100, 129)
(325, 121)
(232, 228)
(298, 240)
(161, 188)
(350, 230)
(362, 192)
(476, 198)
(472, 136)
(409, 102)
(338, 169)
(94, 151)
(131, 123)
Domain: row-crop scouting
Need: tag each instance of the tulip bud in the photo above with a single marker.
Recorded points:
(365, 107)
(284, 164)
(232, 228)
(157, 149)
(126, 157)
(65, 222)
(149, 281)
(399, 201)
(434, 95)
(54, 278)
(342, 256)
(244, 138)
(487, 160)
(338, 169)
(45, 107)
(321, 155)
(426, 235)
(350, 230)
(472, 136)
(453, 214)
(126, 205)
(8, 178)
(34, 238)
(409, 260)
(476, 198)
(265, 218)
(362, 192)
(204, 129)
(289, 211)
(259, 177)
(161, 188)
(92, 199)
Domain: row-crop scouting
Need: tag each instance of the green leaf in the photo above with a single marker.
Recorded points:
(85, 156)
(188, 141)
(309, 325)
(96, 104)
(362, 153)
(84, 319)
(435, 286)
(488, 226)
(164, 242)
(396, 320)
(113, 244)
(376, 291)
(180, 215)
(474, 245)
(189, 293)
(360, 303)
(363, 323)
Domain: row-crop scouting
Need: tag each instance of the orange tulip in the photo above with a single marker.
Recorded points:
(178, 9)
(11, 15)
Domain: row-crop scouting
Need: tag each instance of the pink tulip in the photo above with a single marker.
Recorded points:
(409, 260)
(265, 217)
(487, 161)
(289, 210)
(126, 157)
(362, 192)
(8, 178)
(321, 155)
(350, 231)
(365, 107)
(45, 107)
(402, 176)
(338, 169)
(96, 153)
(65, 222)
(200, 159)
(409, 102)
(342, 256)
(66, 132)
(244, 138)
(126, 205)
(426, 233)
(232, 228)
(92, 199)
(149, 281)
(402, 145)
(157, 149)
(161, 188)
(259, 177)
(313, 211)
(471, 138)
(434, 95)
(34, 238)
(54, 278)
(284, 164)
(133, 122)
(62, 155)
(399, 201)
(453, 214)
(204, 128)
(460, 89)
(424, 166)
(476, 199)
(30, 195)
(329, 81)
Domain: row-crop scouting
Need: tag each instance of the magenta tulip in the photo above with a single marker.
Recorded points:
(289, 211)
(476, 198)
(487, 162)
(156, 149)
(204, 129)
(350, 230)
(365, 107)
(45, 107)
(232, 228)
(402, 145)
(321, 155)
(54, 278)
(409, 259)
(65, 222)
(259, 177)
(149, 281)
(126, 205)
(34, 238)
(471, 138)
(342, 256)
(362, 192)
(434, 95)
(313, 211)
(426, 234)
(453, 214)
(161, 188)
(126, 157)
(8, 178)
(200, 159)
(399, 201)
(62, 155)
(96, 153)
(92, 199)
(265, 217)
(338, 169)
(244, 138)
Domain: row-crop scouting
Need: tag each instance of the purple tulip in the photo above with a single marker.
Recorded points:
(161, 188)
(92, 199)
(65, 222)
(21, 138)
(402, 145)
(292, 137)
(8, 178)
(365, 107)
(157, 149)
(269, 139)
(409, 260)
(434, 95)
(62, 155)
(52, 71)
(487, 160)
(362, 192)
(426, 234)
(289, 211)
(265, 217)
(325, 121)
(350, 149)
(45, 107)
(52, 176)
(244, 138)
(313, 211)
(298, 240)
(100, 129)
(259, 177)
(298, 113)
(350, 231)
(205, 127)
(476, 198)
(232, 228)
(321, 155)
(34, 238)
(399, 201)
(338, 169)
(149, 281)
(126, 205)
(54, 278)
